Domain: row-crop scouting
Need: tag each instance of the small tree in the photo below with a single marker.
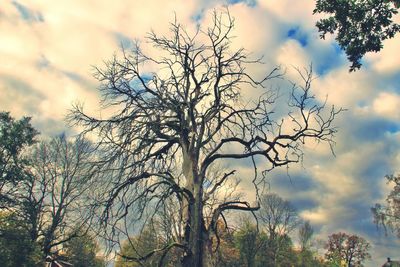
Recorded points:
(350, 249)
(389, 215)
(279, 218)
(249, 242)
(81, 251)
(141, 250)
(305, 235)
(15, 137)
(51, 198)
(228, 254)
(16, 246)
(170, 126)
(306, 256)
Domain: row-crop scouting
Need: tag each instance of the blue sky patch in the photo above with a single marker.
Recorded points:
(304, 203)
(374, 129)
(393, 128)
(296, 181)
(296, 34)
(136, 84)
(198, 16)
(27, 14)
(362, 104)
(73, 76)
(123, 40)
(335, 58)
(250, 3)
(390, 82)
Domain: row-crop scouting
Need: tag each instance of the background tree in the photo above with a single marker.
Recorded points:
(268, 255)
(257, 250)
(15, 137)
(167, 226)
(51, 198)
(16, 246)
(227, 252)
(350, 249)
(171, 125)
(305, 235)
(389, 215)
(279, 218)
(142, 250)
(249, 242)
(360, 26)
(82, 250)
(306, 256)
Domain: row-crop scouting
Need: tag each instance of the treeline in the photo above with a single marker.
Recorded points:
(260, 241)
(45, 192)
(243, 246)
(48, 199)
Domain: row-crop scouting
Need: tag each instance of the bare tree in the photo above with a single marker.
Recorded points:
(305, 235)
(168, 127)
(279, 218)
(388, 215)
(51, 198)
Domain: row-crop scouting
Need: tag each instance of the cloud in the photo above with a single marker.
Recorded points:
(48, 48)
(387, 60)
(387, 105)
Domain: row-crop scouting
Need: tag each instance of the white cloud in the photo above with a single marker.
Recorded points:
(47, 65)
(387, 105)
(291, 11)
(291, 54)
(387, 60)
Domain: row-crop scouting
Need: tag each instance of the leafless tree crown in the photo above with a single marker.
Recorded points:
(169, 126)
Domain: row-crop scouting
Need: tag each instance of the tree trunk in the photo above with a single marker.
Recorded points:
(196, 236)
(199, 243)
(195, 231)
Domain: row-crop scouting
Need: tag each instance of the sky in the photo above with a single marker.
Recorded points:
(48, 51)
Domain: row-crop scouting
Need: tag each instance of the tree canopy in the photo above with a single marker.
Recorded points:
(353, 250)
(16, 246)
(15, 137)
(360, 26)
(388, 215)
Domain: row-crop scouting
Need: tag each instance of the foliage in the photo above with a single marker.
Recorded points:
(81, 252)
(16, 246)
(389, 215)
(306, 256)
(43, 185)
(278, 252)
(139, 250)
(244, 247)
(279, 218)
(350, 249)
(249, 242)
(15, 137)
(227, 252)
(360, 25)
(256, 248)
